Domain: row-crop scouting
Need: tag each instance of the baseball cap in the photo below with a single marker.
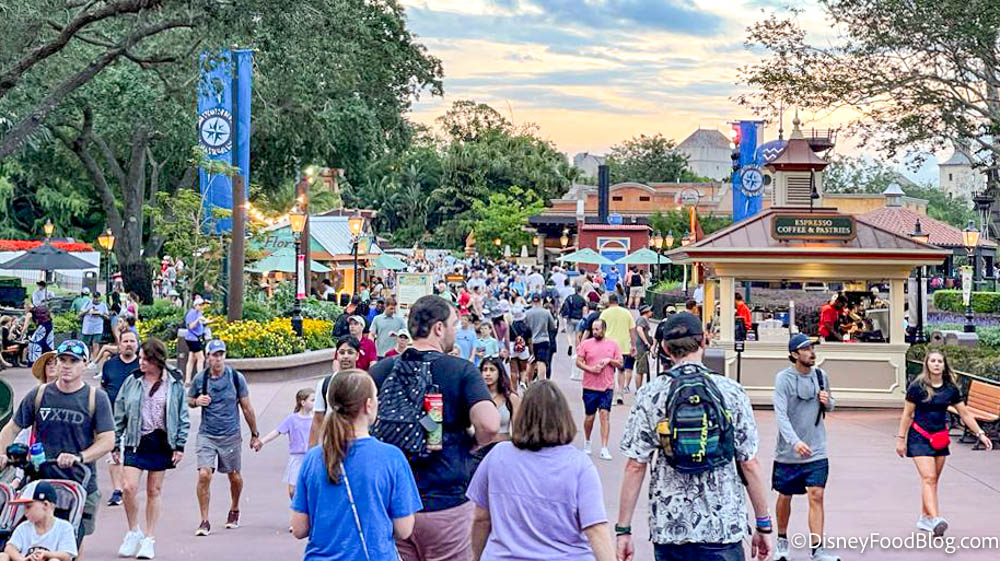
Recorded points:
(401, 333)
(644, 308)
(356, 300)
(682, 325)
(357, 319)
(198, 301)
(72, 347)
(85, 290)
(798, 341)
(670, 310)
(215, 345)
(38, 490)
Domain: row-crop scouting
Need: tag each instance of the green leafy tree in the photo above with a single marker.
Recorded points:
(678, 223)
(648, 159)
(504, 216)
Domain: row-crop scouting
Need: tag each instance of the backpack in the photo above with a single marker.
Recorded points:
(696, 433)
(402, 420)
(819, 381)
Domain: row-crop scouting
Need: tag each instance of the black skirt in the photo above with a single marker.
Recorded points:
(152, 454)
(917, 445)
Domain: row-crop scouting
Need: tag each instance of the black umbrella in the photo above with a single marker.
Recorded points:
(46, 258)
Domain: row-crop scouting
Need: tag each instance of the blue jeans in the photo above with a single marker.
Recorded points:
(699, 552)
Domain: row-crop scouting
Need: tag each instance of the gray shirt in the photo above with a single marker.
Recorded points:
(381, 327)
(796, 407)
(539, 320)
(222, 416)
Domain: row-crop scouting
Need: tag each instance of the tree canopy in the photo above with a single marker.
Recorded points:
(648, 159)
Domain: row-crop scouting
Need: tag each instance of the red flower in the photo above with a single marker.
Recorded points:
(25, 245)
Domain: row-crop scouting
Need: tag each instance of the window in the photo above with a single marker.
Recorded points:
(617, 198)
(644, 199)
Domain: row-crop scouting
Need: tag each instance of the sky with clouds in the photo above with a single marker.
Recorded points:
(591, 73)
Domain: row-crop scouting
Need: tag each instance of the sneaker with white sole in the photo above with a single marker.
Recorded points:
(605, 454)
(131, 543)
(146, 548)
(822, 555)
(925, 523)
(939, 526)
(586, 447)
(781, 549)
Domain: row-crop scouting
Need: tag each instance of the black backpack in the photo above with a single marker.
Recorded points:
(402, 420)
(696, 433)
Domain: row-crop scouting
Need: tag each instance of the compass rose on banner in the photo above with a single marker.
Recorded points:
(215, 129)
(751, 181)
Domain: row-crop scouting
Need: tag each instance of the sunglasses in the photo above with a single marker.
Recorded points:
(72, 347)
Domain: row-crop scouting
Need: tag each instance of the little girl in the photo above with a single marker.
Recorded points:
(296, 426)
(487, 345)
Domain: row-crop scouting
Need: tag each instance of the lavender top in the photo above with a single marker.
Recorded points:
(539, 502)
(297, 428)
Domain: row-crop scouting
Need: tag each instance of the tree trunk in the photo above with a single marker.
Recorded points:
(136, 278)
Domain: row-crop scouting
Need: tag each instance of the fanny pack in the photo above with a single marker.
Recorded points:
(939, 440)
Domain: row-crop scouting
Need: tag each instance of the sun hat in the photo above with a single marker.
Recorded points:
(38, 368)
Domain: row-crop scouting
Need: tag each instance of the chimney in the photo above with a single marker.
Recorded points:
(603, 193)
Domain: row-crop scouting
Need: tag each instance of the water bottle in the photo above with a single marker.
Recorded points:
(36, 454)
(434, 405)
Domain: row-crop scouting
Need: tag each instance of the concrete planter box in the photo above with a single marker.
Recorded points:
(309, 364)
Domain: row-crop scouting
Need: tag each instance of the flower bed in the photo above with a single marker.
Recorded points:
(255, 339)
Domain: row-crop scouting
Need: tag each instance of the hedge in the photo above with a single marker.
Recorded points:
(982, 302)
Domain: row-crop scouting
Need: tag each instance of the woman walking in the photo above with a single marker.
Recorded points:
(923, 432)
(506, 400)
(151, 428)
(354, 493)
(558, 512)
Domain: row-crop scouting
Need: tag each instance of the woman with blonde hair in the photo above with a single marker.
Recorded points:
(923, 432)
(354, 493)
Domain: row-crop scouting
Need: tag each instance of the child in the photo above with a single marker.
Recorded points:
(402, 342)
(487, 345)
(296, 426)
(41, 535)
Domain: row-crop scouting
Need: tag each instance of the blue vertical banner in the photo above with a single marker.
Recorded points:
(224, 126)
(748, 181)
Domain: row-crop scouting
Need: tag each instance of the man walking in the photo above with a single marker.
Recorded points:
(384, 325)
(572, 312)
(443, 529)
(643, 344)
(621, 327)
(801, 398)
(540, 321)
(113, 375)
(221, 392)
(698, 511)
(92, 318)
(598, 357)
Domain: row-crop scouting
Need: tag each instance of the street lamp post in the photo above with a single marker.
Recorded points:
(658, 244)
(48, 228)
(297, 220)
(970, 240)
(684, 242)
(919, 235)
(669, 242)
(107, 242)
(356, 224)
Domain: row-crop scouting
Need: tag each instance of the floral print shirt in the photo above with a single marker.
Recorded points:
(707, 507)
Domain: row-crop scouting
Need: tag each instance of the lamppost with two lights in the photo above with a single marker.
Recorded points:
(297, 220)
(107, 242)
(918, 235)
(656, 242)
(970, 240)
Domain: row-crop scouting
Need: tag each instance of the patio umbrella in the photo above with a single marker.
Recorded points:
(46, 258)
(283, 260)
(386, 261)
(644, 256)
(586, 256)
(524, 251)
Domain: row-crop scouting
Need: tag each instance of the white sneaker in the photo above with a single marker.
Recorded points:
(925, 523)
(781, 549)
(939, 526)
(605, 454)
(586, 447)
(822, 555)
(146, 548)
(130, 545)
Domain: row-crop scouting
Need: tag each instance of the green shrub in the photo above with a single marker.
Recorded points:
(66, 322)
(159, 309)
(981, 361)
(257, 311)
(988, 336)
(321, 309)
(982, 302)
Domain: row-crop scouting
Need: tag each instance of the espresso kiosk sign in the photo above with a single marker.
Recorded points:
(813, 227)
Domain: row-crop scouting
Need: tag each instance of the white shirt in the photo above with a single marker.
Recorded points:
(60, 537)
(536, 282)
(699, 294)
(558, 279)
(40, 296)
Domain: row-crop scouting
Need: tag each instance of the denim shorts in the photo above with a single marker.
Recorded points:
(793, 479)
(699, 551)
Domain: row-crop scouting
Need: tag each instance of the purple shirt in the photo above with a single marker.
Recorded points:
(297, 429)
(539, 502)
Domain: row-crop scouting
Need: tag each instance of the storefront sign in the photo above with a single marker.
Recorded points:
(813, 227)
(454, 279)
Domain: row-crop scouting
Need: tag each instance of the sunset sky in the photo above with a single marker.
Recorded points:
(591, 73)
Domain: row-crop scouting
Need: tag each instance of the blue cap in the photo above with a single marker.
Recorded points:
(798, 341)
(215, 345)
(75, 348)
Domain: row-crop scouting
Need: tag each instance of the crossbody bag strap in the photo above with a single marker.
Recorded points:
(354, 509)
(39, 393)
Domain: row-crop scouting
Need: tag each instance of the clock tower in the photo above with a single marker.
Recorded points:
(797, 173)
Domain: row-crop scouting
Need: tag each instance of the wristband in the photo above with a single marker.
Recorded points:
(623, 530)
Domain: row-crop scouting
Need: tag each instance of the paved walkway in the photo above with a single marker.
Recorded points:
(870, 488)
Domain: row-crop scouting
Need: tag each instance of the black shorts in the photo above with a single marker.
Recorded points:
(152, 454)
(595, 399)
(541, 351)
(194, 346)
(629, 362)
(792, 479)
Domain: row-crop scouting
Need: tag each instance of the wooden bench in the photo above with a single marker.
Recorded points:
(983, 402)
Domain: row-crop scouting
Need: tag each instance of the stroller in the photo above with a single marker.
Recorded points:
(70, 485)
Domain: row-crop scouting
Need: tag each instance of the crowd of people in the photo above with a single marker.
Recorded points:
(441, 435)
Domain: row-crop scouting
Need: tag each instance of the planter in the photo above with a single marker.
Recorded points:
(309, 364)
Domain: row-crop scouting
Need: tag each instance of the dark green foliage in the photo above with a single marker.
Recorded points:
(982, 302)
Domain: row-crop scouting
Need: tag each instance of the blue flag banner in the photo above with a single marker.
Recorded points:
(748, 181)
(224, 127)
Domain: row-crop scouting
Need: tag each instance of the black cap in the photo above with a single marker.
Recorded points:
(355, 300)
(682, 325)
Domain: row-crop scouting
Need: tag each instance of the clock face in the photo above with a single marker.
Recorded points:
(751, 181)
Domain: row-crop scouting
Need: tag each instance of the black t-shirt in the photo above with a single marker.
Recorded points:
(573, 306)
(113, 375)
(636, 280)
(932, 415)
(443, 477)
(64, 423)
(589, 321)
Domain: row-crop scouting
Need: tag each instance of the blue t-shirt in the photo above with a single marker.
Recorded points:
(189, 318)
(383, 488)
(113, 375)
(466, 341)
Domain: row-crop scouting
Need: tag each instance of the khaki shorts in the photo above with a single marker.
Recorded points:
(222, 453)
(637, 292)
(89, 521)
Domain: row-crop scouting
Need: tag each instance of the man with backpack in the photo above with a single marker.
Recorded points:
(801, 399)
(435, 439)
(701, 428)
(572, 310)
(221, 392)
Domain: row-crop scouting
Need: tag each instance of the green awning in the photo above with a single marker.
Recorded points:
(644, 256)
(283, 260)
(586, 256)
(386, 261)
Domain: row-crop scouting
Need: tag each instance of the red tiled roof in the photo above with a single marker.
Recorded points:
(903, 221)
